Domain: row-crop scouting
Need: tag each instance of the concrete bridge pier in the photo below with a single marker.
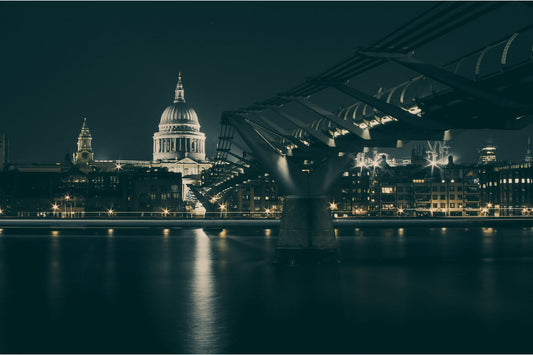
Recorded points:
(306, 232)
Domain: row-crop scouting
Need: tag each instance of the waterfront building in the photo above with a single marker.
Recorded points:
(487, 154)
(419, 189)
(254, 198)
(71, 190)
(529, 152)
(507, 189)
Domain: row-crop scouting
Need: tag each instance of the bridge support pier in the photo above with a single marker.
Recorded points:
(306, 232)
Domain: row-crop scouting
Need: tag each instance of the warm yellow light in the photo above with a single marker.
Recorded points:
(489, 205)
(333, 206)
(67, 197)
(110, 231)
(166, 232)
(400, 210)
(55, 233)
(118, 166)
(222, 207)
(267, 210)
(1, 211)
(165, 212)
(110, 211)
(55, 206)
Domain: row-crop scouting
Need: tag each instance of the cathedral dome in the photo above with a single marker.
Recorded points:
(179, 133)
(179, 113)
(179, 116)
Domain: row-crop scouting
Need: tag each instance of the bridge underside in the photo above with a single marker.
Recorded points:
(308, 160)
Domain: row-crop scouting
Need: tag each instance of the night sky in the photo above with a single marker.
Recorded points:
(117, 64)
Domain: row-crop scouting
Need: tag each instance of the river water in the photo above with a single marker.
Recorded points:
(195, 291)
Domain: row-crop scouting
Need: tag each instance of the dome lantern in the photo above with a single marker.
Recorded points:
(179, 92)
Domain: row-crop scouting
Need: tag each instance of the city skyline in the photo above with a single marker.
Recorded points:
(121, 76)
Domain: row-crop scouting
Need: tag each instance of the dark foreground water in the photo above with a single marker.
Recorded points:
(195, 291)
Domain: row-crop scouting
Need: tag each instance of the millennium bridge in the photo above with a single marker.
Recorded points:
(307, 147)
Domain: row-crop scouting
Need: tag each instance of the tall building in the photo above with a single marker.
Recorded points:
(84, 154)
(179, 133)
(529, 154)
(487, 154)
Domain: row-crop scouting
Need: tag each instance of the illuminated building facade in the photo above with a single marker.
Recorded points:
(255, 198)
(487, 154)
(507, 189)
(73, 191)
(413, 190)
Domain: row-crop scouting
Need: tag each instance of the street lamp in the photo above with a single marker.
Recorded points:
(400, 211)
(67, 199)
(165, 212)
(222, 208)
(110, 212)
(332, 206)
(1, 211)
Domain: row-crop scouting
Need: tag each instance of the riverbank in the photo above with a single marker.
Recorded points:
(391, 222)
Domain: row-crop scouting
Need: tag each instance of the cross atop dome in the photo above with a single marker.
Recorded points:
(179, 92)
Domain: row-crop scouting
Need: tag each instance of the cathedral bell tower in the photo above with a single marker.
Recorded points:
(84, 153)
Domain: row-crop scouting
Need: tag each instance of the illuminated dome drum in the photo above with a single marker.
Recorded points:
(179, 133)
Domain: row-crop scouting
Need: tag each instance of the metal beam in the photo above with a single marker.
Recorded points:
(350, 127)
(452, 80)
(330, 142)
(394, 111)
(264, 152)
(281, 130)
(277, 130)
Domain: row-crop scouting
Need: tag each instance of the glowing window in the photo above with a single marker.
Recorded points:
(387, 190)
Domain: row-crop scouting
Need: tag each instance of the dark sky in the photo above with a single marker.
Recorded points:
(117, 64)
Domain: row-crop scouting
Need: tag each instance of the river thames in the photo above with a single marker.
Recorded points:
(147, 290)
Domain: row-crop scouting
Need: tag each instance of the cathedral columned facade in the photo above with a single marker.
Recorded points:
(179, 133)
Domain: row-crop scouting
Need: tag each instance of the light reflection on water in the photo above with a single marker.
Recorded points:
(204, 333)
(55, 277)
(195, 291)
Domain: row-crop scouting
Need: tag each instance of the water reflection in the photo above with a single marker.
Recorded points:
(208, 294)
(204, 331)
(55, 277)
(110, 276)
